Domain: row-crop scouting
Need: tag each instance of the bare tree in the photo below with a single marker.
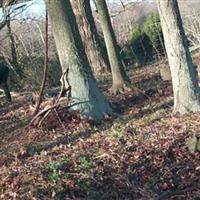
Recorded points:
(85, 94)
(94, 49)
(15, 63)
(185, 86)
(119, 77)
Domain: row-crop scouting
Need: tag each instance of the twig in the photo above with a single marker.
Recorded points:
(45, 68)
(43, 118)
(39, 118)
(64, 90)
(60, 121)
(42, 113)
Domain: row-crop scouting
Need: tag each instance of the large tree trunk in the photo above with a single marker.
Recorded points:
(89, 34)
(84, 91)
(119, 76)
(185, 86)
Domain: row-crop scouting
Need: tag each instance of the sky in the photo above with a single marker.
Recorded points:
(33, 9)
(36, 9)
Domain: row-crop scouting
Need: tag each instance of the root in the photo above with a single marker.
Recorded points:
(121, 88)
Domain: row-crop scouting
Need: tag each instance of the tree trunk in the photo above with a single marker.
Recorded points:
(120, 79)
(84, 91)
(15, 62)
(89, 34)
(185, 86)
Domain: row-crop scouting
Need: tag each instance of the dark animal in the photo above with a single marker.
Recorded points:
(4, 72)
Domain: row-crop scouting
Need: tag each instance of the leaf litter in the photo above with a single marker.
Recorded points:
(141, 154)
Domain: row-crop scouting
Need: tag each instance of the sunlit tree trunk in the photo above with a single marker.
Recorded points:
(89, 34)
(84, 91)
(184, 81)
(120, 79)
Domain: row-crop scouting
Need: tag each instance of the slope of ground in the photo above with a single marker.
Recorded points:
(140, 154)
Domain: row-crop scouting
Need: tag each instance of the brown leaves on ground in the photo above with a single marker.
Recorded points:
(139, 155)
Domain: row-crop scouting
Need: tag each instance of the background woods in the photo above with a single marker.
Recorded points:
(118, 116)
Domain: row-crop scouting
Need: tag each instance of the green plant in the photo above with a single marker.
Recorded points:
(152, 28)
(51, 172)
(140, 43)
(147, 40)
(84, 163)
(136, 33)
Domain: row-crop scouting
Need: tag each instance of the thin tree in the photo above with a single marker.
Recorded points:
(85, 94)
(185, 86)
(92, 43)
(13, 45)
(46, 60)
(119, 77)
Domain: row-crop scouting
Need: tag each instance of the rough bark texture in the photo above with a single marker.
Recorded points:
(84, 91)
(119, 76)
(184, 82)
(89, 34)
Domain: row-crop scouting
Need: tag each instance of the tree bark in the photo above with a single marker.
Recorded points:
(84, 91)
(15, 62)
(185, 86)
(89, 34)
(120, 79)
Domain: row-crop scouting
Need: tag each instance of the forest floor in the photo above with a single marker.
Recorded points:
(140, 154)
